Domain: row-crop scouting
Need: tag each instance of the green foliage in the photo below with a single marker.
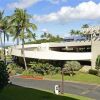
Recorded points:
(13, 69)
(28, 72)
(98, 62)
(98, 65)
(21, 25)
(93, 72)
(50, 38)
(76, 32)
(85, 26)
(72, 65)
(44, 68)
(4, 77)
(21, 28)
(4, 28)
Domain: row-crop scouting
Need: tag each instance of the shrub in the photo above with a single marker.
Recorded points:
(19, 70)
(92, 71)
(14, 69)
(98, 65)
(12, 72)
(43, 67)
(98, 62)
(57, 70)
(12, 66)
(4, 77)
(72, 65)
(28, 72)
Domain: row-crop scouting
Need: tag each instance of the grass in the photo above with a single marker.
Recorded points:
(12, 92)
(79, 77)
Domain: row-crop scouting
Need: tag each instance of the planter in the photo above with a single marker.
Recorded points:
(31, 77)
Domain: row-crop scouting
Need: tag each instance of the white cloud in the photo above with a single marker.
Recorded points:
(44, 30)
(28, 3)
(22, 3)
(57, 1)
(85, 10)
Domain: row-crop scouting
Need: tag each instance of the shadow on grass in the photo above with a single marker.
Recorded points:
(13, 92)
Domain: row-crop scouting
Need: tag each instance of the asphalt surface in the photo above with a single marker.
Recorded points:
(91, 91)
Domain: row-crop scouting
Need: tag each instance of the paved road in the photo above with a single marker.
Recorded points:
(92, 91)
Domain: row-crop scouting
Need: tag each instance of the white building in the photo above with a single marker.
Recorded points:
(84, 50)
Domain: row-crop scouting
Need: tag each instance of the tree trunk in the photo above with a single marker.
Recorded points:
(4, 48)
(1, 53)
(17, 41)
(23, 53)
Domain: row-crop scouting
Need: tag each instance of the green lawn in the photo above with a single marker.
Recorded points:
(20, 93)
(80, 77)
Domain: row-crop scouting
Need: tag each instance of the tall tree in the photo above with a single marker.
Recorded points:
(85, 26)
(4, 27)
(72, 32)
(21, 24)
(75, 32)
(44, 35)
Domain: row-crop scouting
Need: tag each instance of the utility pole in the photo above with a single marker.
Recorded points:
(62, 83)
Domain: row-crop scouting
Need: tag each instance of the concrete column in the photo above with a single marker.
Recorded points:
(95, 46)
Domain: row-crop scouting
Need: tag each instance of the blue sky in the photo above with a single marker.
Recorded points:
(57, 16)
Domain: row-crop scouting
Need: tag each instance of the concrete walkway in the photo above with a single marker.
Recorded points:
(92, 91)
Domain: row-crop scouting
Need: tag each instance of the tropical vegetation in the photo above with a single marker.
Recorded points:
(98, 64)
(22, 27)
(4, 76)
(4, 28)
(71, 66)
(44, 68)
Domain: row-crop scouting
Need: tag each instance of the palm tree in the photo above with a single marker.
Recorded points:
(31, 37)
(72, 32)
(20, 21)
(85, 26)
(49, 36)
(75, 32)
(44, 35)
(4, 27)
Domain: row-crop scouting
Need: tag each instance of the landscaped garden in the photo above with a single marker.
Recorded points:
(44, 70)
(20, 28)
(12, 92)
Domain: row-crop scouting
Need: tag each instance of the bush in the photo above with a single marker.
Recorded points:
(28, 72)
(98, 65)
(57, 70)
(43, 68)
(4, 77)
(67, 71)
(14, 69)
(19, 70)
(72, 65)
(92, 71)
(98, 62)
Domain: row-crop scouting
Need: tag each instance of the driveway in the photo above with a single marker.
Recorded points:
(92, 91)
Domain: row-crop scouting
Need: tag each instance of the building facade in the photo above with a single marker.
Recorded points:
(83, 50)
